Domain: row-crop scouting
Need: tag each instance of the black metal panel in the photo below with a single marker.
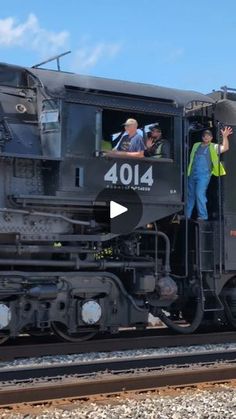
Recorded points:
(19, 120)
(56, 81)
(78, 127)
(121, 102)
(230, 242)
(229, 199)
(25, 140)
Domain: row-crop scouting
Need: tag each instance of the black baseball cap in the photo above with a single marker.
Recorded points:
(155, 126)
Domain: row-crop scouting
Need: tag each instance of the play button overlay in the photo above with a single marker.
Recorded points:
(118, 211)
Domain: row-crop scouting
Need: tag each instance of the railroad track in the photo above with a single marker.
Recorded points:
(24, 348)
(50, 382)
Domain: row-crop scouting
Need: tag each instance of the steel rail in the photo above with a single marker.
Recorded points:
(116, 365)
(108, 383)
(124, 341)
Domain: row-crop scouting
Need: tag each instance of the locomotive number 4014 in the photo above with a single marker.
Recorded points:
(126, 174)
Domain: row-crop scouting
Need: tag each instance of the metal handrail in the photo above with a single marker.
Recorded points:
(219, 200)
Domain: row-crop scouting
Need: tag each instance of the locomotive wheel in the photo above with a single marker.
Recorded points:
(228, 298)
(3, 337)
(38, 332)
(61, 330)
(188, 311)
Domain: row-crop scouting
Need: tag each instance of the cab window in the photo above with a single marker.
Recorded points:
(12, 77)
(157, 132)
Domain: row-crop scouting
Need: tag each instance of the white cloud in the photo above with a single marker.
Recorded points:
(87, 56)
(174, 55)
(31, 35)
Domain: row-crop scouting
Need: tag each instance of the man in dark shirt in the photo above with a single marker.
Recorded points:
(131, 143)
(157, 146)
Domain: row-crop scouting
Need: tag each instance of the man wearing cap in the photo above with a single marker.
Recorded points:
(131, 143)
(204, 162)
(157, 146)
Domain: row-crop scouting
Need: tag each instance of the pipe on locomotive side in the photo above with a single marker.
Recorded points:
(76, 264)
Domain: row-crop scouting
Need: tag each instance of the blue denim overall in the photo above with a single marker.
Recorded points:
(198, 182)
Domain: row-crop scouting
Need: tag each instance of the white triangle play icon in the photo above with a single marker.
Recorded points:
(116, 209)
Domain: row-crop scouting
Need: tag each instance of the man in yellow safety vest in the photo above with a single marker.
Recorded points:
(204, 162)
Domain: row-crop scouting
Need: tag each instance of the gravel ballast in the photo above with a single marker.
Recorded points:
(93, 356)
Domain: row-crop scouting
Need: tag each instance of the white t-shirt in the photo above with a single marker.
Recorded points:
(217, 148)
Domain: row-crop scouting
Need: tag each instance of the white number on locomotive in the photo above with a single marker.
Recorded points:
(127, 175)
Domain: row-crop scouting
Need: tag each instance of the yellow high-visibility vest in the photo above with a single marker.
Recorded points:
(217, 167)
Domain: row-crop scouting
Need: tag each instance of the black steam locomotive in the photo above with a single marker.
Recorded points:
(70, 267)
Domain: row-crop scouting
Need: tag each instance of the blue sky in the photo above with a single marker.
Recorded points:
(175, 43)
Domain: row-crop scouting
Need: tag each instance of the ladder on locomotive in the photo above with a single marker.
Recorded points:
(208, 255)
